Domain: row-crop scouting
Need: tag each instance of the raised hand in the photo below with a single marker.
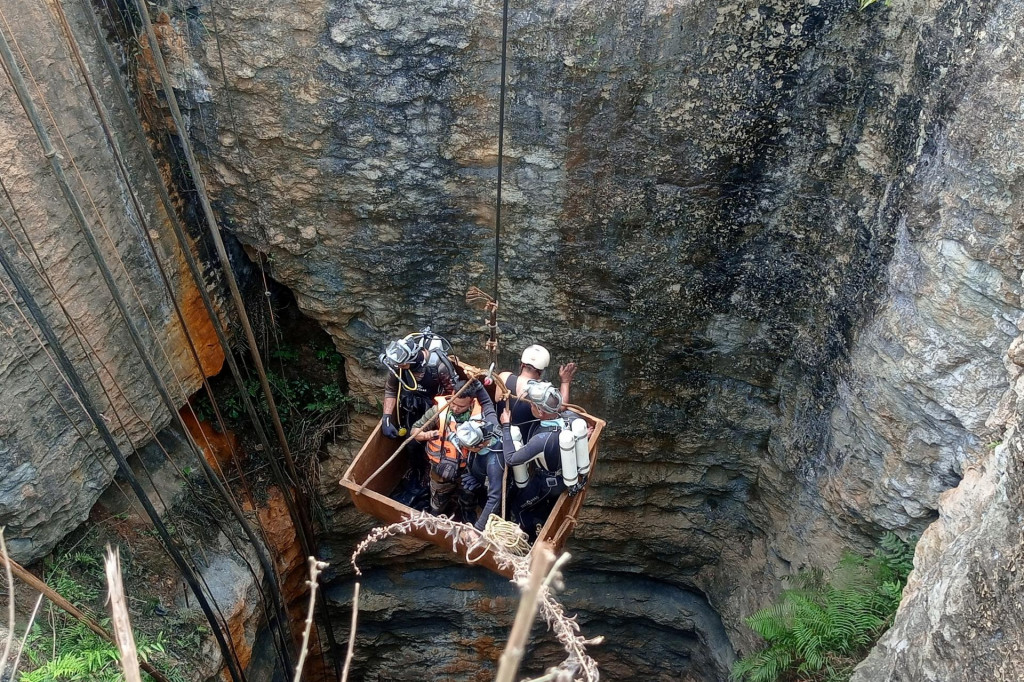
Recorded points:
(567, 372)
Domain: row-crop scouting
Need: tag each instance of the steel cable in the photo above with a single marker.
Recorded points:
(304, 525)
(268, 568)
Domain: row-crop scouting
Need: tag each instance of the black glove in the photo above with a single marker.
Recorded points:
(470, 483)
(578, 488)
(446, 470)
(387, 427)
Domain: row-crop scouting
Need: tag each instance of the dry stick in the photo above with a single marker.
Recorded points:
(408, 440)
(315, 567)
(351, 634)
(10, 602)
(119, 615)
(39, 586)
(24, 637)
(540, 565)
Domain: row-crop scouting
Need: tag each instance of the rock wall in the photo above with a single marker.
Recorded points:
(53, 465)
(959, 618)
(778, 238)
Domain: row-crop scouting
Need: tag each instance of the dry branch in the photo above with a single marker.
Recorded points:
(13, 675)
(315, 568)
(10, 603)
(351, 634)
(508, 665)
(119, 615)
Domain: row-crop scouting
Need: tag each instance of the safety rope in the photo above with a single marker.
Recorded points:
(91, 352)
(185, 247)
(303, 525)
(184, 244)
(475, 295)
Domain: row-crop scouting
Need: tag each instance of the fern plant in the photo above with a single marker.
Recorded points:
(81, 655)
(821, 628)
(69, 650)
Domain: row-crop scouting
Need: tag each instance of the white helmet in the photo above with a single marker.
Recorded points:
(468, 435)
(536, 356)
(543, 395)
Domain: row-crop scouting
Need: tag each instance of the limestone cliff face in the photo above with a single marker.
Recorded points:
(53, 465)
(778, 237)
(960, 616)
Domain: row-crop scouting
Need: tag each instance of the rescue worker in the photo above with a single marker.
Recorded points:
(553, 459)
(532, 364)
(486, 474)
(418, 370)
(473, 402)
(485, 466)
(452, 463)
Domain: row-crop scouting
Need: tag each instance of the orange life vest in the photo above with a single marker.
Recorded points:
(441, 447)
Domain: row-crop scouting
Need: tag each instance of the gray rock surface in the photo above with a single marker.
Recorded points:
(52, 463)
(778, 237)
(652, 630)
(960, 618)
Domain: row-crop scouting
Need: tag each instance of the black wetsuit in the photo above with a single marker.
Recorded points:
(519, 409)
(532, 503)
(488, 466)
(432, 378)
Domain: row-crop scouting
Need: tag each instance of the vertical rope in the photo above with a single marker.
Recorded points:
(225, 492)
(501, 163)
(303, 525)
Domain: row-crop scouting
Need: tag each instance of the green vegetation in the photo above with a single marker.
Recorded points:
(821, 629)
(298, 397)
(63, 648)
(81, 655)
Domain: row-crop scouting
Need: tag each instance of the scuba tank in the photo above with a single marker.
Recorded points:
(567, 447)
(520, 472)
(579, 430)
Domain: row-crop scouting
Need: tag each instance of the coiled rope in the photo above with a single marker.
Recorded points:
(507, 534)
